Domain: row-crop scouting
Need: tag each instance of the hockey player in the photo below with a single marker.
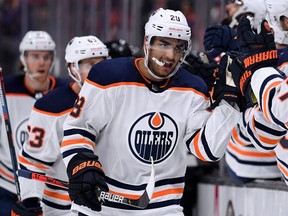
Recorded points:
(267, 83)
(41, 152)
(244, 162)
(265, 134)
(146, 107)
(269, 87)
(37, 54)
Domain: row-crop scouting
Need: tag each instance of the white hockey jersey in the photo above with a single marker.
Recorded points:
(20, 101)
(41, 152)
(271, 91)
(248, 157)
(125, 119)
(265, 127)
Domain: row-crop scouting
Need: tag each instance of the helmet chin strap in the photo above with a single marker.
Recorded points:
(25, 69)
(76, 68)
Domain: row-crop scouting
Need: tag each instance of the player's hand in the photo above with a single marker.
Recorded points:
(220, 38)
(196, 66)
(242, 78)
(86, 178)
(258, 51)
(28, 207)
(224, 88)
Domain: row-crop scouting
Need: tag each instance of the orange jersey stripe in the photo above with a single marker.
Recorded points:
(252, 154)
(57, 195)
(265, 99)
(155, 194)
(196, 147)
(116, 84)
(264, 139)
(130, 196)
(24, 161)
(282, 65)
(236, 137)
(283, 170)
(7, 174)
(168, 192)
(76, 142)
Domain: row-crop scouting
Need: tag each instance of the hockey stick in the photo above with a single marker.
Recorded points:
(140, 203)
(9, 133)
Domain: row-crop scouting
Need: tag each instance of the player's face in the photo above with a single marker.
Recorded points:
(284, 23)
(38, 64)
(167, 51)
(85, 66)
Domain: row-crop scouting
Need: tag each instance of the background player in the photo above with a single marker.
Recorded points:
(41, 152)
(37, 54)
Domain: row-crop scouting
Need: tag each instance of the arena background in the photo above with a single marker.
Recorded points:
(106, 19)
(208, 191)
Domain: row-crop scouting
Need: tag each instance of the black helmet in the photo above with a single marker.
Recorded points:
(118, 48)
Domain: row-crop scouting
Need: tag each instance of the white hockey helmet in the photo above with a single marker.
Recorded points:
(255, 7)
(167, 23)
(277, 9)
(80, 48)
(280, 37)
(37, 40)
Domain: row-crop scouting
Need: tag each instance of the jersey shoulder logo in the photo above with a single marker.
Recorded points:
(21, 134)
(153, 134)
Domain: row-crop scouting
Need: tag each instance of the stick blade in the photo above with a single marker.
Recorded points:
(144, 200)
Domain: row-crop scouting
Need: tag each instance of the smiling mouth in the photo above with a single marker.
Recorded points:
(168, 65)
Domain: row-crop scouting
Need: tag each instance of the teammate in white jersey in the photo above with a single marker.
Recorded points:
(130, 110)
(265, 134)
(37, 54)
(245, 162)
(41, 152)
(268, 83)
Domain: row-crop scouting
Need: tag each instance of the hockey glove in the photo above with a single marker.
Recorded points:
(86, 179)
(28, 207)
(196, 66)
(258, 49)
(225, 88)
(220, 38)
(242, 78)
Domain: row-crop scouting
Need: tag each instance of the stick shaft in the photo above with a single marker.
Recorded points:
(9, 133)
(141, 203)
